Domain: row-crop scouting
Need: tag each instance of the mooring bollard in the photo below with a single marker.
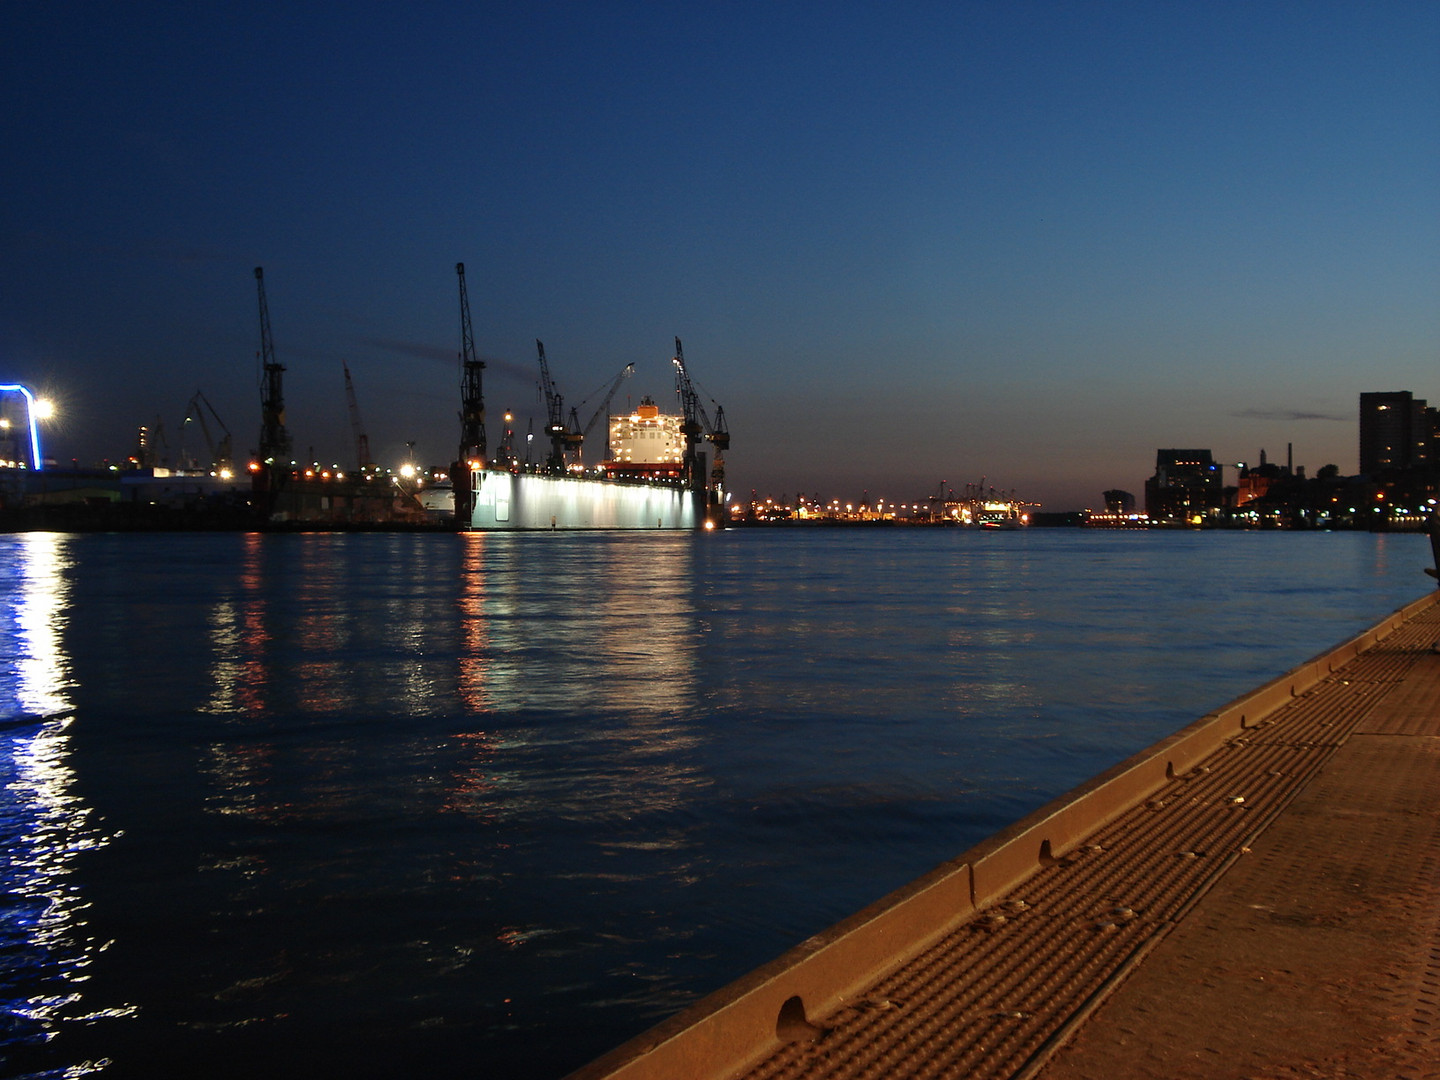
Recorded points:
(1432, 526)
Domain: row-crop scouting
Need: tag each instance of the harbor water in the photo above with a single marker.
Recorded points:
(371, 805)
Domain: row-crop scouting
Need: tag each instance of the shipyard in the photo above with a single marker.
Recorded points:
(653, 469)
(592, 467)
(652, 474)
(907, 549)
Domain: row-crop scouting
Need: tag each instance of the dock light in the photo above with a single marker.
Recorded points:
(34, 411)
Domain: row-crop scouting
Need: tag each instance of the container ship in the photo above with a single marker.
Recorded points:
(986, 508)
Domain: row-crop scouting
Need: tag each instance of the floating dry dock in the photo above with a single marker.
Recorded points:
(1257, 895)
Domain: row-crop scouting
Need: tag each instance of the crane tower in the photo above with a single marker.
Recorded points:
(695, 424)
(362, 440)
(472, 393)
(274, 439)
(555, 414)
(472, 409)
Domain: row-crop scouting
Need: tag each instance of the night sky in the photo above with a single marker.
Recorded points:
(903, 243)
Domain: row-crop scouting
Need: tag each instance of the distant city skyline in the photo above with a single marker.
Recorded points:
(933, 242)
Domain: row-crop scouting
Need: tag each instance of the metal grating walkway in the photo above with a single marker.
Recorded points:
(998, 996)
(1272, 911)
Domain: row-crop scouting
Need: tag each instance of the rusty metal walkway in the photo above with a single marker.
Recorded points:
(1257, 896)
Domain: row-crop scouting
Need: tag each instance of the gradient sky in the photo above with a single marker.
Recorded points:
(903, 243)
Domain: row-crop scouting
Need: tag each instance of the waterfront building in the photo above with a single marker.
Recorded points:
(1396, 431)
(1255, 481)
(1186, 487)
(1119, 502)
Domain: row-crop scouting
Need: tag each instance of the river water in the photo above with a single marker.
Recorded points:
(487, 805)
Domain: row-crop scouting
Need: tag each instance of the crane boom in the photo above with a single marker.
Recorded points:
(362, 440)
(222, 457)
(578, 435)
(604, 406)
(274, 439)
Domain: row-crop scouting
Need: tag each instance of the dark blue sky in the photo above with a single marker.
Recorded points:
(902, 243)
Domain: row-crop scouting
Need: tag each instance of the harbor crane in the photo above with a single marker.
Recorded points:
(149, 441)
(694, 424)
(222, 455)
(472, 409)
(274, 439)
(560, 435)
(362, 441)
(472, 394)
(604, 407)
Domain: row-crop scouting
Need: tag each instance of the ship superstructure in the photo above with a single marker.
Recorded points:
(646, 444)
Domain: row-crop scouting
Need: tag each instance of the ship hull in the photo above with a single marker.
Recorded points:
(518, 501)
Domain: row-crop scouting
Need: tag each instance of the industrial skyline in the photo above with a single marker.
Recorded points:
(940, 241)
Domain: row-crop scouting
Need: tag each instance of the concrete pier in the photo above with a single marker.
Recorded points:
(1255, 896)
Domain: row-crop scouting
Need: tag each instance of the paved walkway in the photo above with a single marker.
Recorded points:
(1274, 913)
(1318, 953)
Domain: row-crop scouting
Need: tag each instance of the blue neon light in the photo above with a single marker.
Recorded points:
(16, 388)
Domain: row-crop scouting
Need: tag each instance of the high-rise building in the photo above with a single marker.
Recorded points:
(1396, 431)
(1186, 483)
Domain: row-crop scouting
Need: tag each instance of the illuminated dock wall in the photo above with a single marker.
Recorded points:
(505, 500)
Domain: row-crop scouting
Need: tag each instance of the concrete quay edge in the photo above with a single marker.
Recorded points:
(742, 1023)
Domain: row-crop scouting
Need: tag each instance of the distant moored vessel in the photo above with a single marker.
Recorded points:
(655, 477)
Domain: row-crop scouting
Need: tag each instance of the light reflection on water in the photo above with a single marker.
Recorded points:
(383, 804)
(47, 945)
(237, 638)
(473, 677)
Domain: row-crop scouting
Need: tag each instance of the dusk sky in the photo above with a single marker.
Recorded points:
(902, 243)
